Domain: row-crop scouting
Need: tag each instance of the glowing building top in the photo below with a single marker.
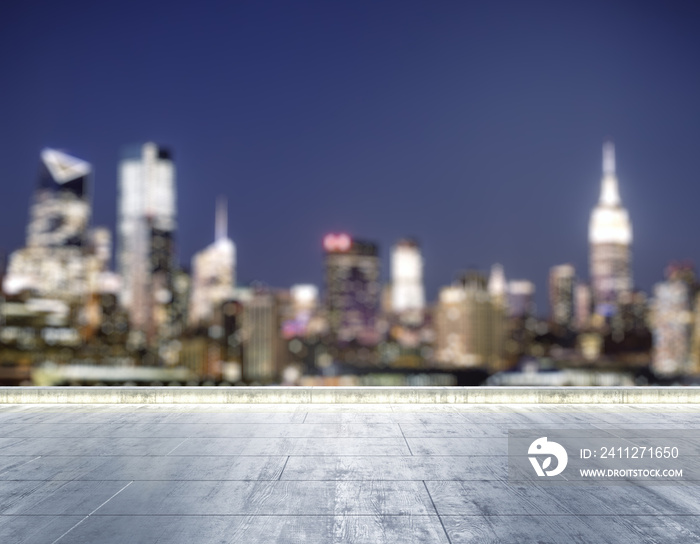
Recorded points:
(497, 285)
(609, 223)
(61, 210)
(407, 277)
(610, 237)
(62, 167)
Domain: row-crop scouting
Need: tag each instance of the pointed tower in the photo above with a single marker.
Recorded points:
(610, 237)
(497, 286)
(213, 272)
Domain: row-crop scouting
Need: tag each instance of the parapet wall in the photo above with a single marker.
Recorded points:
(349, 395)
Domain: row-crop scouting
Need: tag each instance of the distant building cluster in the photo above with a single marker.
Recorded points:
(67, 317)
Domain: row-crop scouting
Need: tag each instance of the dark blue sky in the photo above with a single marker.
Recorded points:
(475, 127)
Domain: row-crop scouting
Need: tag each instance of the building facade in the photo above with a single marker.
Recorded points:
(263, 356)
(672, 327)
(146, 222)
(470, 326)
(562, 281)
(213, 272)
(62, 258)
(521, 299)
(353, 291)
(407, 291)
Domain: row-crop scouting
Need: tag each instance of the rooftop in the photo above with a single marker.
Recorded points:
(293, 472)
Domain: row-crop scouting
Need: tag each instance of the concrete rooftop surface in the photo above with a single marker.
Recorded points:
(315, 473)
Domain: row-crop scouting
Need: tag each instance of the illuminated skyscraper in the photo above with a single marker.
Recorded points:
(352, 288)
(302, 306)
(58, 260)
(146, 227)
(521, 298)
(582, 305)
(672, 328)
(262, 346)
(407, 293)
(213, 272)
(562, 279)
(610, 236)
(497, 286)
(470, 325)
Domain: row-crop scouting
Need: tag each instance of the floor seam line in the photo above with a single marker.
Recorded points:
(436, 512)
(285, 466)
(91, 513)
(405, 440)
(18, 466)
(176, 447)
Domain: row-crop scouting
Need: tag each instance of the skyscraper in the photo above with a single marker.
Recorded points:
(352, 288)
(672, 328)
(213, 272)
(521, 298)
(58, 260)
(582, 305)
(61, 209)
(407, 293)
(262, 347)
(562, 279)
(146, 227)
(497, 285)
(610, 236)
(301, 309)
(470, 325)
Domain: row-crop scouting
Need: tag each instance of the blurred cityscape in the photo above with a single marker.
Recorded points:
(68, 317)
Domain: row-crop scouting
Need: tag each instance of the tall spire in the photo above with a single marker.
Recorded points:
(608, 158)
(609, 193)
(221, 218)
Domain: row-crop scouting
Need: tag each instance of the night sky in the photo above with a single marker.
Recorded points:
(474, 127)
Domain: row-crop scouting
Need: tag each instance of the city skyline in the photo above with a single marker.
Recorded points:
(473, 129)
(609, 194)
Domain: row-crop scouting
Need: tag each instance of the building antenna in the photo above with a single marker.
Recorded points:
(221, 218)
(609, 158)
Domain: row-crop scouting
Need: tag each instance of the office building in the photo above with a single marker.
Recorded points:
(62, 258)
(263, 358)
(407, 292)
(671, 328)
(562, 281)
(353, 290)
(583, 304)
(469, 326)
(521, 299)
(146, 222)
(301, 311)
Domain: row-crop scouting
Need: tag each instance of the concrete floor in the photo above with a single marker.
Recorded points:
(316, 474)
